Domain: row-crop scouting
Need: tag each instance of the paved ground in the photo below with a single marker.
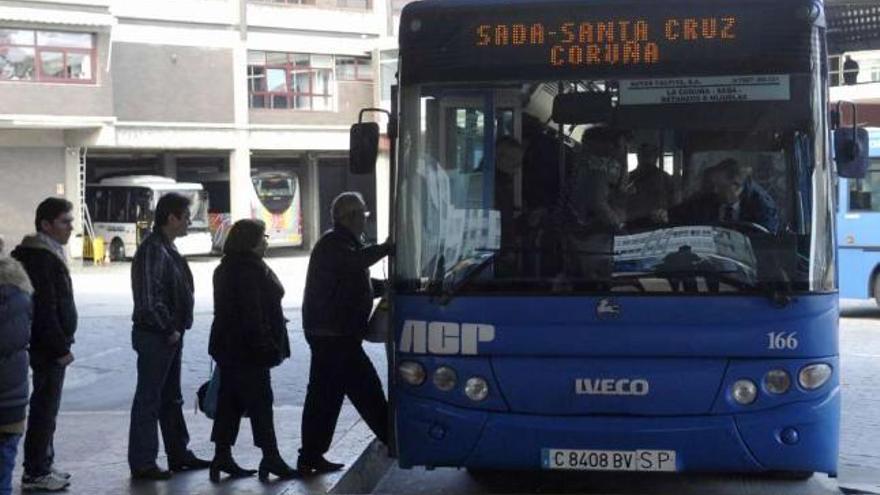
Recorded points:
(860, 428)
(92, 446)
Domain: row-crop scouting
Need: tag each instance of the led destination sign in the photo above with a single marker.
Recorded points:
(481, 41)
(610, 42)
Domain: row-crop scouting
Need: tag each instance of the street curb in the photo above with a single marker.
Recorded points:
(858, 489)
(365, 473)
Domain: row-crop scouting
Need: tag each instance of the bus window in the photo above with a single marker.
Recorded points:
(863, 191)
(464, 141)
(505, 125)
(118, 205)
(90, 202)
(199, 208)
(140, 202)
(276, 192)
(99, 208)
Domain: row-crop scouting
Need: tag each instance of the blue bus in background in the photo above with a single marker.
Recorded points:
(858, 228)
(555, 306)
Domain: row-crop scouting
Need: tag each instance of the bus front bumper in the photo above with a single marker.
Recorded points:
(435, 434)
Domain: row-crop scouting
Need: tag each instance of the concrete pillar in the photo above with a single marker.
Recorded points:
(240, 180)
(313, 218)
(72, 191)
(240, 159)
(169, 165)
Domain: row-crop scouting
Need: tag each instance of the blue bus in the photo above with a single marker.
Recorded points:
(614, 228)
(858, 228)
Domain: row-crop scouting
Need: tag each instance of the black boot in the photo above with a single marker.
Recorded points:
(272, 463)
(224, 463)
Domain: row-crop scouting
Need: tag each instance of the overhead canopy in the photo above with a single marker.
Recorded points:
(852, 25)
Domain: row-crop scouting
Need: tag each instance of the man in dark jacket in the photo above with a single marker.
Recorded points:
(336, 308)
(731, 196)
(162, 286)
(52, 330)
(16, 312)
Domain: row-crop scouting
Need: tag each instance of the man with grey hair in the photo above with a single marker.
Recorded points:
(336, 308)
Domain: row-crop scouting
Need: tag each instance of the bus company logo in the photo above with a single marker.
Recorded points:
(612, 386)
(608, 309)
(444, 338)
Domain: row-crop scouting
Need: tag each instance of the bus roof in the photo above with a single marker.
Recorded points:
(156, 182)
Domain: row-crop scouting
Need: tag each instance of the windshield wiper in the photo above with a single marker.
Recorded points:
(446, 288)
(780, 296)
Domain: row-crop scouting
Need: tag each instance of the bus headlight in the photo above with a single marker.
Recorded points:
(744, 392)
(777, 381)
(444, 378)
(412, 372)
(476, 389)
(814, 376)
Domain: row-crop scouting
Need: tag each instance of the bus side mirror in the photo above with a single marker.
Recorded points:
(851, 152)
(363, 147)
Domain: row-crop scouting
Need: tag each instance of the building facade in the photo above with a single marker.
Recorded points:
(209, 91)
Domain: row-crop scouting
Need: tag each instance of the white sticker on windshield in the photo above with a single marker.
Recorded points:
(724, 89)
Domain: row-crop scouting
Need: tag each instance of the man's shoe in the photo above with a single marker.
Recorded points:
(46, 483)
(188, 463)
(152, 473)
(316, 466)
(275, 465)
(61, 474)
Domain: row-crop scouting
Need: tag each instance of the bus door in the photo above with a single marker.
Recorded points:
(468, 124)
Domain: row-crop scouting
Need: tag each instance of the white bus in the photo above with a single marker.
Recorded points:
(275, 199)
(122, 211)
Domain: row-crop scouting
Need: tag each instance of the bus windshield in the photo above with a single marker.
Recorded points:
(276, 193)
(498, 199)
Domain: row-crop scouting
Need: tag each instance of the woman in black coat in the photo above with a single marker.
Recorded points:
(248, 338)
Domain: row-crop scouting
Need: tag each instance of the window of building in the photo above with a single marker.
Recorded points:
(354, 69)
(346, 4)
(864, 194)
(46, 56)
(291, 81)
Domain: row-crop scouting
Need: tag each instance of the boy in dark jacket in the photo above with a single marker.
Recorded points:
(52, 330)
(336, 309)
(15, 333)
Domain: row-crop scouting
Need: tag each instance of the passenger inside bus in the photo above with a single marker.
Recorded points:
(594, 204)
(732, 196)
(652, 190)
(508, 170)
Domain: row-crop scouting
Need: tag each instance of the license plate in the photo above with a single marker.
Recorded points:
(609, 460)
